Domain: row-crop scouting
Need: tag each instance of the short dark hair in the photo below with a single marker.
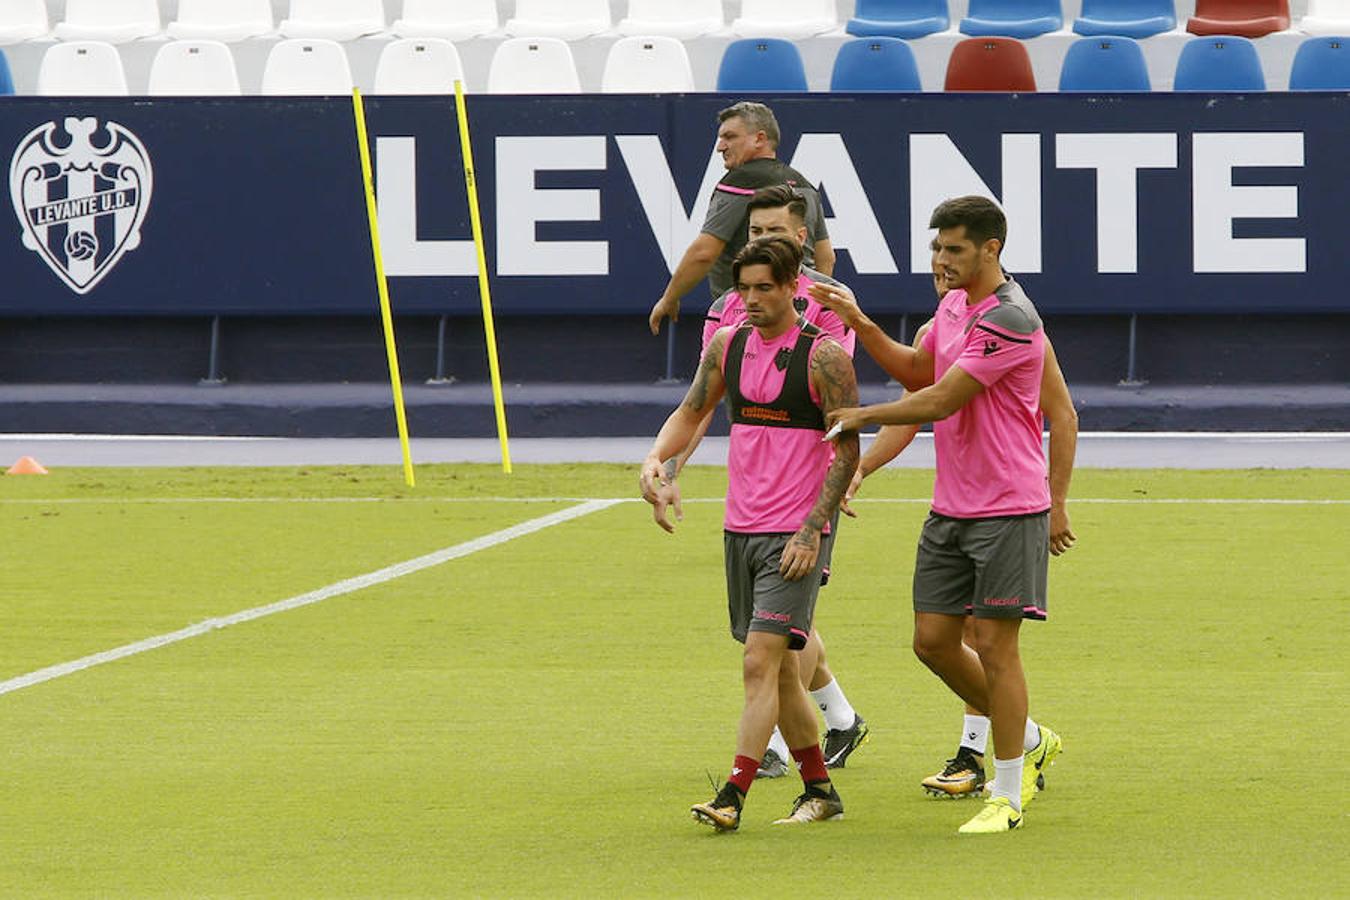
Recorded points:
(777, 197)
(782, 256)
(758, 116)
(980, 215)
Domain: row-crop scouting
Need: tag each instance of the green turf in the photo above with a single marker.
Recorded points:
(535, 719)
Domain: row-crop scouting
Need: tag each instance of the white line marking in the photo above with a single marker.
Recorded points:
(346, 586)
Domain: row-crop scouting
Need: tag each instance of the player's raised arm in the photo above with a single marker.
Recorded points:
(836, 383)
(912, 367)
(1060, 415)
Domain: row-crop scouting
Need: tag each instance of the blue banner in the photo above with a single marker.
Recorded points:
(1151, 203)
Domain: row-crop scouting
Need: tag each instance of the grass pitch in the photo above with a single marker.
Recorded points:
(535, 719)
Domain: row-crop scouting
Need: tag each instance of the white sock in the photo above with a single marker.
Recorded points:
(779, 746)
(975, 733)
(1008, 781)
(832, 702)
(1031, 738)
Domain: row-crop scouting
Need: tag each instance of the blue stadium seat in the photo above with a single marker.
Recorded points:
(1126, 18)
(6, 82)
(1321, 64)
(1012, 18)
(1219, 63)
(1104, 64)
(761, 64)
(907, 19)
(875, 64)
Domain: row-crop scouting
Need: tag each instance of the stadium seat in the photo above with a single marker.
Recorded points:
(1223, 63)
(82, 69)
(193, 69)
(1126, 18)
(1245, 18)
(1329, 17)
(875, 64)
(785, 18)
(222, 20)
(990, 64)
(6, 82)
(307, 67)
(418, 66)
(647, 65)
(533, 66)
(334, 20)
(453, 20)
(1012, 18)
(1321, 64)
(110, 21)
(567, 20)
(1104, 64)
(684, 20)
(23, 20)
(761, 64)
(907, 19)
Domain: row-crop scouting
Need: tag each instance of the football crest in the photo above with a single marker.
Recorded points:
(81, 191)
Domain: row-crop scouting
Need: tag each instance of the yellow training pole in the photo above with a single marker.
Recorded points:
(386, 316)
(471, 182)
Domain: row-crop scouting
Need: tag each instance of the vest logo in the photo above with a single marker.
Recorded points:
(81, 191)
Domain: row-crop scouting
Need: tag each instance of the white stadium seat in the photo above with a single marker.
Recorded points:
(194, 69)
(454, 20)
(222, 20)
(686, 19)
(307, 67)
(418, 66)
(82, 69)
(647, 65)
(334, 20)
(567, 20)
(785, 18)
(533, 66)
(23, 20)
(112, 21)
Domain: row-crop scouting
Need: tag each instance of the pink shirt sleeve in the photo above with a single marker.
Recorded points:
(834, 326)
(990, 354)
(929, 343)
(710, 326)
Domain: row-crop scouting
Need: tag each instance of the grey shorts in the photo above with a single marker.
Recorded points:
(758, 598)
(991, 568)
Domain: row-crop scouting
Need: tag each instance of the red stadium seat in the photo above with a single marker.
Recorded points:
(990, 64)
(1245, 18)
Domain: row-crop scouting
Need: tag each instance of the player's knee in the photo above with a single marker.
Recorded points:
(927, 648)
(759, 666)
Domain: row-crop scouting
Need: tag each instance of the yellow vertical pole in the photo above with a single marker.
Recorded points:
(386, 316)
(471, 183)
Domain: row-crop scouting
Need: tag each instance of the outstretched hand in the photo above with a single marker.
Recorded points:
(848, 418)
(838, 299)
(851, 492)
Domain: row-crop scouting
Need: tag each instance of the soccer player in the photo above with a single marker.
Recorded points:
(782, 375)
(986, 541)
(747, 138)
(963, 774)
(782, 211)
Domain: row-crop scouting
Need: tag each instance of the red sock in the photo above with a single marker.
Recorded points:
(743, 773)
(812, 763)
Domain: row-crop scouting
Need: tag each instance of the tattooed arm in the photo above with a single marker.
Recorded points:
(657, 479)
(836, 383)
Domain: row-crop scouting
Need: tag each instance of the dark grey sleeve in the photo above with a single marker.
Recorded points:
(726, 215)
(815, 218)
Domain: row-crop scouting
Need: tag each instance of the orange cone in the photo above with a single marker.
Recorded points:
(26, 466)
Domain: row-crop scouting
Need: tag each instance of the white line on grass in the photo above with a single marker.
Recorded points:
(337, 589)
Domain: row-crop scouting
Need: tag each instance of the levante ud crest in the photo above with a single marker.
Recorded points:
(81, 191)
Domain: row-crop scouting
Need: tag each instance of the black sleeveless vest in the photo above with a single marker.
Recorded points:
(793, 407)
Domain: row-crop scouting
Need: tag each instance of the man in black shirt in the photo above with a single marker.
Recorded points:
(747, 138)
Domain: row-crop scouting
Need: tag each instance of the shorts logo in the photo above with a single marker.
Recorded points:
(772, 616)
(81, 192)
(1002, 601)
